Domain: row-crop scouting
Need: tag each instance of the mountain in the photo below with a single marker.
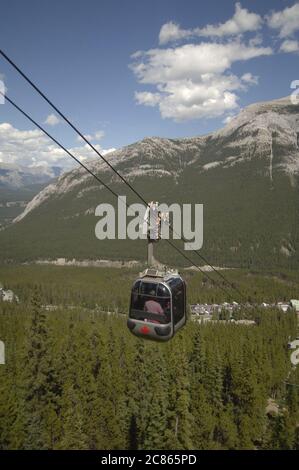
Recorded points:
(14, 176)
(18, 185)
(246, 175)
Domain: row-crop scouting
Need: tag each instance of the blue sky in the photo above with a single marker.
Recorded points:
(197, 63)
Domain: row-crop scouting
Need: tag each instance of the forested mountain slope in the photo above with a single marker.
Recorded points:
(245, 174)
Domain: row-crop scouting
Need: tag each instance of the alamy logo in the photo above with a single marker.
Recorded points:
(294, 95)
(2, 92)
(143, 222)
(2, 353)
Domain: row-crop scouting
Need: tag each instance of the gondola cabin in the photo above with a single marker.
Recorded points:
(158, 305)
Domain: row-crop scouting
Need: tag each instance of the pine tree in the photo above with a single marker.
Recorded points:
(138, 393)
(181, 421)
(40, 384)
(156, 402)
(73, 436)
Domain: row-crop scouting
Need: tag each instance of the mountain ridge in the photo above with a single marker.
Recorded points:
(148, 144)
(246, 174)
(14, 176)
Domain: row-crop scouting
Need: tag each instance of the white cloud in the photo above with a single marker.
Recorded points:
(250, 79)
(106, 151)
(285, 21)
(242, 21)
(52, 120)
(289, 45)
(192, 60)
(171, 31)
(97, 136)
(194, 80)
(87, 136)
(84, 153)
(212, 97)
(3, 88)
(32, 148)
(147, 98)
(257, 40)
(228, 119)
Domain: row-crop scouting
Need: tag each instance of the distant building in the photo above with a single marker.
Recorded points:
(210, 309)
(8, 296)
(202, 318)
(245, 322)
(50, 307)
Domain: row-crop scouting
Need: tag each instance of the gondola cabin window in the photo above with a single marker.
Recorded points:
(151, 303)
(178, 301)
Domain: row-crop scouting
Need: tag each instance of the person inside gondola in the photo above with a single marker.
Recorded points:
(153, 306)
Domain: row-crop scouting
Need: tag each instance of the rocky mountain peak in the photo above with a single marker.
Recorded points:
(265, 132)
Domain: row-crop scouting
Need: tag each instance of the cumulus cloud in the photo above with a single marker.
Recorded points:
(96, 137)
(289, 45)
(171, 31)
(250, 79)
(256, 40)
(242, 21)
(3, 89)
(192, 60)
(52, 120)
(147, 98)
(286, 21)
(228, 119)
(31, 148)
(185, 99)
(194, 80)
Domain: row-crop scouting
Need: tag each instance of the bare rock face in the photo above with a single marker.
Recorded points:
(268, 131)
